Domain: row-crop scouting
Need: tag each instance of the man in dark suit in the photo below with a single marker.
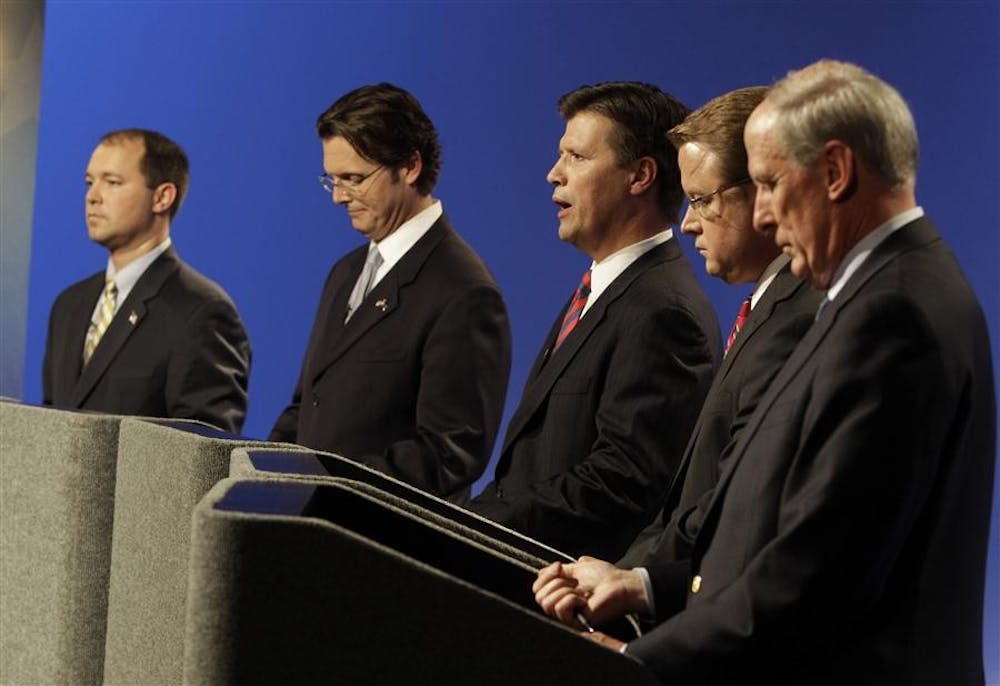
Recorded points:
(713, 165)
(407, 363)
(149, 335)
(611, 399)
(846, 539)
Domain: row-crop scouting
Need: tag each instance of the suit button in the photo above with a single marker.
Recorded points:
(696, 583)
(315, 400)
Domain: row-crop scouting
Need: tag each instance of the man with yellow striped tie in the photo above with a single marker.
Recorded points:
(148, 335)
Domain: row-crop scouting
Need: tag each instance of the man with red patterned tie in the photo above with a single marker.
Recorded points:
(610, 401)
(770, 321)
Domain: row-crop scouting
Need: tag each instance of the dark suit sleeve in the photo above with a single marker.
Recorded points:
(49, 362)
(654, 385)
(864, 452)
(463, 380)
(286, 427)
(208, 375)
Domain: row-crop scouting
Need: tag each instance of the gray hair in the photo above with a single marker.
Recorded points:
(837, 100)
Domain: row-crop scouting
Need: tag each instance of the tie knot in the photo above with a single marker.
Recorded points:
(745, 307)
(110, 287)
(585, 284)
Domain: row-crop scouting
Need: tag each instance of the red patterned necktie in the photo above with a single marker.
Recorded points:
(741, 318)
(572, 317)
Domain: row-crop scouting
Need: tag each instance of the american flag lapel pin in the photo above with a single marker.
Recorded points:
(382, 304)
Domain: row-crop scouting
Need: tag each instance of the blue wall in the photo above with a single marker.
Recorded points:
(240, 84)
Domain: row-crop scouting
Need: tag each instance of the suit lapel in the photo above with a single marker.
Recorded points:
(127, 319)
(914, 235)
(550, 341)
(538, 387)
(382, 300)
(784, 286)
(80, 315)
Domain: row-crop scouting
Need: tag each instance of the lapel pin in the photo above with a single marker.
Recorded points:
(133, 318)
(382, 304)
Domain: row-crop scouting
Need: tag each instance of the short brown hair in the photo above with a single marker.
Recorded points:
(163, 161)
(642, 114)
(718, 125)
(385, 124)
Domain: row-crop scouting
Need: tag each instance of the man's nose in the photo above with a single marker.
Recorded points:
(763, 217)
(340, 196)
(689, 222)
(555, 175)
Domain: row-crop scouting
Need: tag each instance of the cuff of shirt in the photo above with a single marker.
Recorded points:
(647, 584)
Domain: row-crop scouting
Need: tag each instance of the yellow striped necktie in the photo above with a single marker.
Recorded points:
(109, 300)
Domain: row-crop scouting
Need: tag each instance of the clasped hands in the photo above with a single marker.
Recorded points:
(593, 588)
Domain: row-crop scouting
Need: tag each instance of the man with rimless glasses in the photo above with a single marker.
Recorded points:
(778, 309)
(407, 363)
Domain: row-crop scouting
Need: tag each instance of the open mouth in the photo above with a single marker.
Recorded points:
(563, 206)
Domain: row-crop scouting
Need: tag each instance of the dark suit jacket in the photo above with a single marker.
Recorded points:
(776, 324)
(602, 425)
(414, 383)
(176, 348)
(846, 540)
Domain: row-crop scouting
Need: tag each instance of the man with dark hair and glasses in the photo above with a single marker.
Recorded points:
(148, 335)
(407, 363)
(609, 404)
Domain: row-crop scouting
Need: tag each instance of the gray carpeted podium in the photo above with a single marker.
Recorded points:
(81, 602)
(295, 582)
(57, 484)
(164, 469)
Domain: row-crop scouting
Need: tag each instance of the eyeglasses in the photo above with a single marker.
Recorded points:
(349, 183)
(702, 203)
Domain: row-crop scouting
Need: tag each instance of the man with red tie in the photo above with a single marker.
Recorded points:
(770, 322)
(610, 401)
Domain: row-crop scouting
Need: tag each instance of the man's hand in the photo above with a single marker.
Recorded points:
(596, 589)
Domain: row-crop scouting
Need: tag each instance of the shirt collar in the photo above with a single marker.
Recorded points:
(603, 273)
(857, 255)
(126, 278)
(767, 278)
(398, 243)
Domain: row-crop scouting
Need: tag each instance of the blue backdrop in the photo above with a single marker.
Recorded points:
(239, 85)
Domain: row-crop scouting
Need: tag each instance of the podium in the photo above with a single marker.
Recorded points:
(297, 582)
(56, 512)
(164, 468)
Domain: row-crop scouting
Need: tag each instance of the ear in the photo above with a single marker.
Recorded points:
(164, 196)
(643, 176)
(412, 168)
(841, 174)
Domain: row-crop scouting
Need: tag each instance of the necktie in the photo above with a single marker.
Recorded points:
(741, 318)
(576, 306)
(364, 282)
(109, 301)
